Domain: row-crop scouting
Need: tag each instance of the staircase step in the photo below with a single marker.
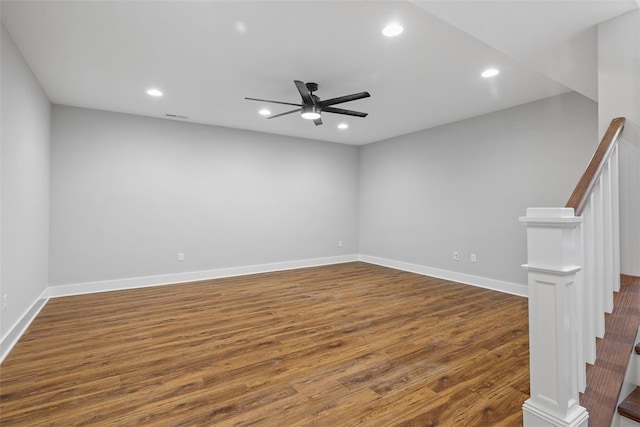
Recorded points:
(630, 407)
(605, 377)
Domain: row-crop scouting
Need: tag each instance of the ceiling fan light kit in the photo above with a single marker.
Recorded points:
(310, 112)
(312, 106)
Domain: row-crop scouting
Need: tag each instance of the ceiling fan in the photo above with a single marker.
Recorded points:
(312, 106)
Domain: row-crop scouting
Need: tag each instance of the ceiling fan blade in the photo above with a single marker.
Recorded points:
(304, 92)
(341, 99)
(345, 112)
(274, 102)
(317, 121)
(297, 110)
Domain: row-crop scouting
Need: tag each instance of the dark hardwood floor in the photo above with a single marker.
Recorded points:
(341, 345)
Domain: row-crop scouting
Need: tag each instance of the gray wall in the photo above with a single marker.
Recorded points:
(24, 192)
(463, 186)
(128, 193)
(619, 95)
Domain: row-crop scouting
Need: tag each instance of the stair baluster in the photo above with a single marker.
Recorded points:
(573, 268)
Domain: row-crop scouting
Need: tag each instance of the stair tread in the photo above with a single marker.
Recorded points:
(606, 376)
(630, 407)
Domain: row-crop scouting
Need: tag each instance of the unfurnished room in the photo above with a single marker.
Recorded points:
(320, 213)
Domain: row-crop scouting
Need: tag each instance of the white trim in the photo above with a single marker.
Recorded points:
(535, 416)
(8, 342)
(467, 279)
(564, 271)
(550, 217)
(167, 279)
(15, 333)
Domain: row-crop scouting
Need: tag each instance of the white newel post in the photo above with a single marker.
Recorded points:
(553, 318)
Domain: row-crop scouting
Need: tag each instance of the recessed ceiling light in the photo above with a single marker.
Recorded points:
(490, 72)
(154, 92)
(343, 126)
(392, 30)
(264, 112)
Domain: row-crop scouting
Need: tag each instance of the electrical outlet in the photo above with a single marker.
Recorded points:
(5, 302)
(474, 258)
(181, 256)
(456, 256)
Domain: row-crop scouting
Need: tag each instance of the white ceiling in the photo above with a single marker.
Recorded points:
(558, 38)
(207, 56)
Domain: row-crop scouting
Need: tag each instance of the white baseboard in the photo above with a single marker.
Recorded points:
(9, 341)
(167, 279)
(468, 279)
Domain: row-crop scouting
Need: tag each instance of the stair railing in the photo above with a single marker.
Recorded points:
(573, 266)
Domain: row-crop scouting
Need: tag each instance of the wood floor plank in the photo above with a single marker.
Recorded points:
(351, 344)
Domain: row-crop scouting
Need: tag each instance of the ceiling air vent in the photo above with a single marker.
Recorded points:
(175, 116)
